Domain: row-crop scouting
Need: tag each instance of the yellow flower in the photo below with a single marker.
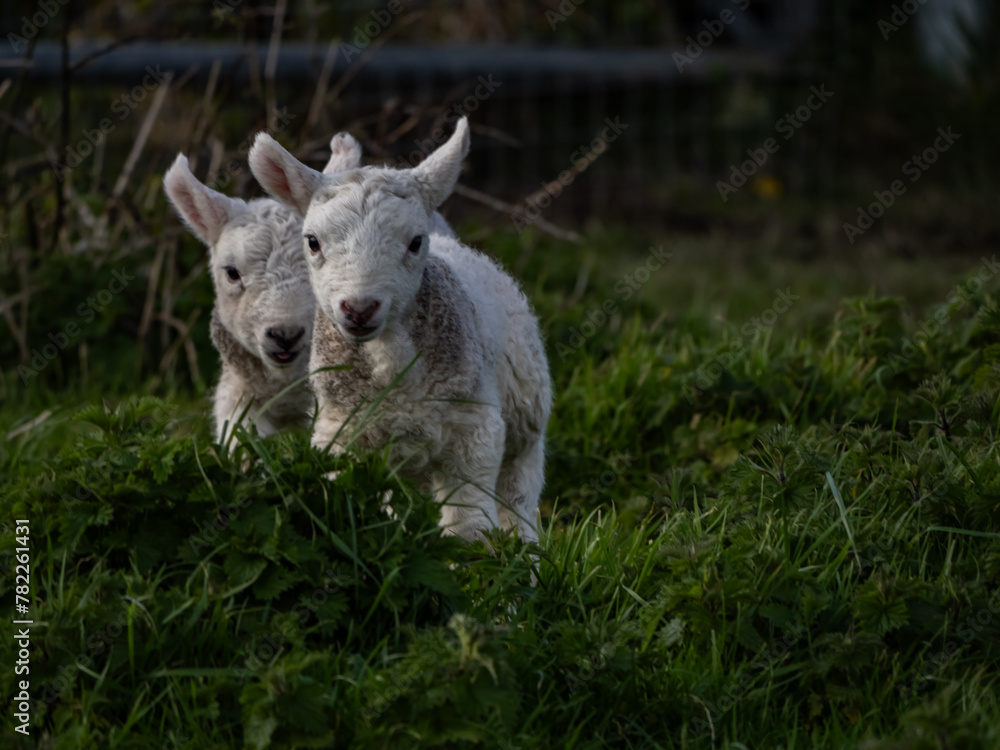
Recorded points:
(767, 186)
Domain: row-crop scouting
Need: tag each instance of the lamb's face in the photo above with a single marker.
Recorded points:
(364, 230)
(262, 288)
(366, 241)
(263, 295)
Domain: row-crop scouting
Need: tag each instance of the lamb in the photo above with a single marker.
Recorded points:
(466, 419)
(263, 316)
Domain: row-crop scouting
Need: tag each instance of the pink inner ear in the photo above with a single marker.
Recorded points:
(275, 180)
(284, 187)
(279, 180)
(188, 204)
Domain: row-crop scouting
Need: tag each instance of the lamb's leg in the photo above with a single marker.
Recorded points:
(265, 426)
(466, 486)
(518, 488)
(466, 509)
(228, 402)
(327, 431)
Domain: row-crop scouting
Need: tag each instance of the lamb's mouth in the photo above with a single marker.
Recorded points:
(361, 333)
(284, 358)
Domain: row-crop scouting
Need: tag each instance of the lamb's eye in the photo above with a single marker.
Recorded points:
(415, 244)
(232, 274)
(313, 243)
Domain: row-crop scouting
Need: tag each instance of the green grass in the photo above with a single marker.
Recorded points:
(782, 536)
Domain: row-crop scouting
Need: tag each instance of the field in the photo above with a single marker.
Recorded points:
(771, 520)
(771, 517)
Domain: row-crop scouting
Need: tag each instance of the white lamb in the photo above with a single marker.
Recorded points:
(467, 421)
(264, 305)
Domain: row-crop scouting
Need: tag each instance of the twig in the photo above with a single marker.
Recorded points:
(8, 302)
(581, 284)
(389, 107)
(167, 297)
(8, 315)
(144, 131)
(60, 187)
(271, 66)
(498, 134)
(84, 361)
(97, 166)
(29, 425)
(218, 153)
(16, 104)
(319, 95)
(193, 275)
(184, 339)
(206, 106)
(192, 357)
(408, 124)
(154, 280)
(369, 52)
(711, 724)
(22, 127)
(87, 59)
(507, 208)
(579, 167)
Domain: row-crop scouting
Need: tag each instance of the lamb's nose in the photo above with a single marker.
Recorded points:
(286, 338)
(359, 312)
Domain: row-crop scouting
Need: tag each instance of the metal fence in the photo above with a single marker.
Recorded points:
(681, 103)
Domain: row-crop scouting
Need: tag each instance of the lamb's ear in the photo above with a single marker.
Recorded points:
(204, 210)
(345, 154)
(284, 177)
(437, 174)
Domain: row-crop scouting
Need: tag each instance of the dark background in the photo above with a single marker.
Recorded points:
(563, 68)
